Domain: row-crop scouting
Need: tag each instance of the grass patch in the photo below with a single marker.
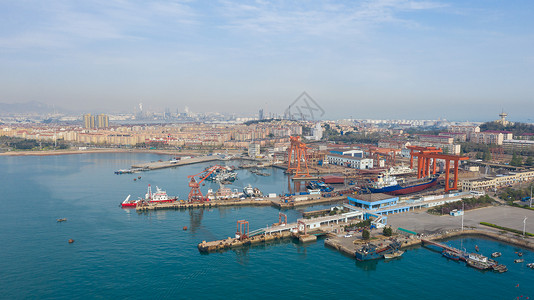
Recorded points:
(506, 229)
(521, 206)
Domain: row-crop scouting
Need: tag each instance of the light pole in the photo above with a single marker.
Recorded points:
(463, 213)
(530, 205)
(524, 225)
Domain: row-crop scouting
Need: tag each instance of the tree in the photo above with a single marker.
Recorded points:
(529, 161)
(387, 231)
(516, 161)
(366, 234)
(487, 155)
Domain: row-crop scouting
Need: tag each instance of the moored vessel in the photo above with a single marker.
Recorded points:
(450, 254)
(390, 185)
(395, 254)
(478, 261)
(159, 196)
(372, 251)
(129, 203)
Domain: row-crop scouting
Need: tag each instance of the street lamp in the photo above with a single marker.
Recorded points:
(530, 205)
(463, 213)
(524, 225)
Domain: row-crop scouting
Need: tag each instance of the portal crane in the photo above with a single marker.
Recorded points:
(196, 194)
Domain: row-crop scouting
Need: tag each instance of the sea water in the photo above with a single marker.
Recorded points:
(119, 253)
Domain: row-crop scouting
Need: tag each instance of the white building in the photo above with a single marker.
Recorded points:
(350, 161)
(253, 149)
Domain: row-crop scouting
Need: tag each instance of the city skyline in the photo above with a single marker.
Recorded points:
(365, 60)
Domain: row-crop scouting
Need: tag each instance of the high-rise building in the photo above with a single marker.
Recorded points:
(92, 122)
(103, 121)
(88, 121)
(260, 114)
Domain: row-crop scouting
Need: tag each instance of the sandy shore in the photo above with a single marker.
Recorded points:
(69, 152)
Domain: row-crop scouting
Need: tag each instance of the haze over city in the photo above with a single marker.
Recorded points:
(459, 60)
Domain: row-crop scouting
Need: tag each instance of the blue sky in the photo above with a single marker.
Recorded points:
(459, 60)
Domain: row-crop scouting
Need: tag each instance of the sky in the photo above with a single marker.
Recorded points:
(383, 59)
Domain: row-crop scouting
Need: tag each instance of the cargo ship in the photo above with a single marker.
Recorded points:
(390, 185)
(371, 251)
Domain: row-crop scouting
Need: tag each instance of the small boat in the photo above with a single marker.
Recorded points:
(450, 255)
(530, 265)
(476, 248)
(61, 220)
(395, 254)
(129, 203)
(519, 253)
(500, 268)
(496, 254)
(519, 260)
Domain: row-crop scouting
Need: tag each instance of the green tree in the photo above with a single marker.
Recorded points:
(387, 231)
(529, 161)
(487, 155)
(366, 234)
(516, 161)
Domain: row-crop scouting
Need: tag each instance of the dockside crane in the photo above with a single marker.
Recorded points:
(195, 195)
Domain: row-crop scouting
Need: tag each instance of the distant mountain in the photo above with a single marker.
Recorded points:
(27, 107)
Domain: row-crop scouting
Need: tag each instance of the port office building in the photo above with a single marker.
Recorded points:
(350, 161)
(383, 204)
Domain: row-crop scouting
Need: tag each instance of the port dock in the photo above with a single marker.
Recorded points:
(304, 230)
(175, 163)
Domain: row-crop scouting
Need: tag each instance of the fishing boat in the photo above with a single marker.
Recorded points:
(476, 248)
(450, 255)
(496, 254)
(478, 261)
(61, 220)
(519, 260)
(395, 254)
(249, 191)
(500, 268)
(530, 265)
(372, 251)
(391, 185)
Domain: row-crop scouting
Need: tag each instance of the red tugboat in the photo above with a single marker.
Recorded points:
(129, 203)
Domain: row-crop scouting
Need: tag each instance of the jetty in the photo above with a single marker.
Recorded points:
(175, 163)
(304, 230)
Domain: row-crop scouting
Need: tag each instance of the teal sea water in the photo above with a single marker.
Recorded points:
(119, 253)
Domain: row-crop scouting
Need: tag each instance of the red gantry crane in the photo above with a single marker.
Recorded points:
(297, 157)
(427, 156)
(196, 194)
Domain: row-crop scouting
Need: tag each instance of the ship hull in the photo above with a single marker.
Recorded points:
(129, 205)
(400, 190)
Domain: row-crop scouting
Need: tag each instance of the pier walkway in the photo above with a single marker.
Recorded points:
(169, 164)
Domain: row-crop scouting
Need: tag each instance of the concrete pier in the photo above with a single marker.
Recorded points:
(181, 204)
(169, 164)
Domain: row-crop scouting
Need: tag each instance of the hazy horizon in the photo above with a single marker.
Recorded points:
(385, 59)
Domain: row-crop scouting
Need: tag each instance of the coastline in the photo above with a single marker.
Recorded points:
(90, 151)
(528, 244)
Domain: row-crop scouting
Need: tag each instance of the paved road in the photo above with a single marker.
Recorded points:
(422, 222)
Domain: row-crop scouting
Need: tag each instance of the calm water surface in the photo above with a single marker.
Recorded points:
(122, 254)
